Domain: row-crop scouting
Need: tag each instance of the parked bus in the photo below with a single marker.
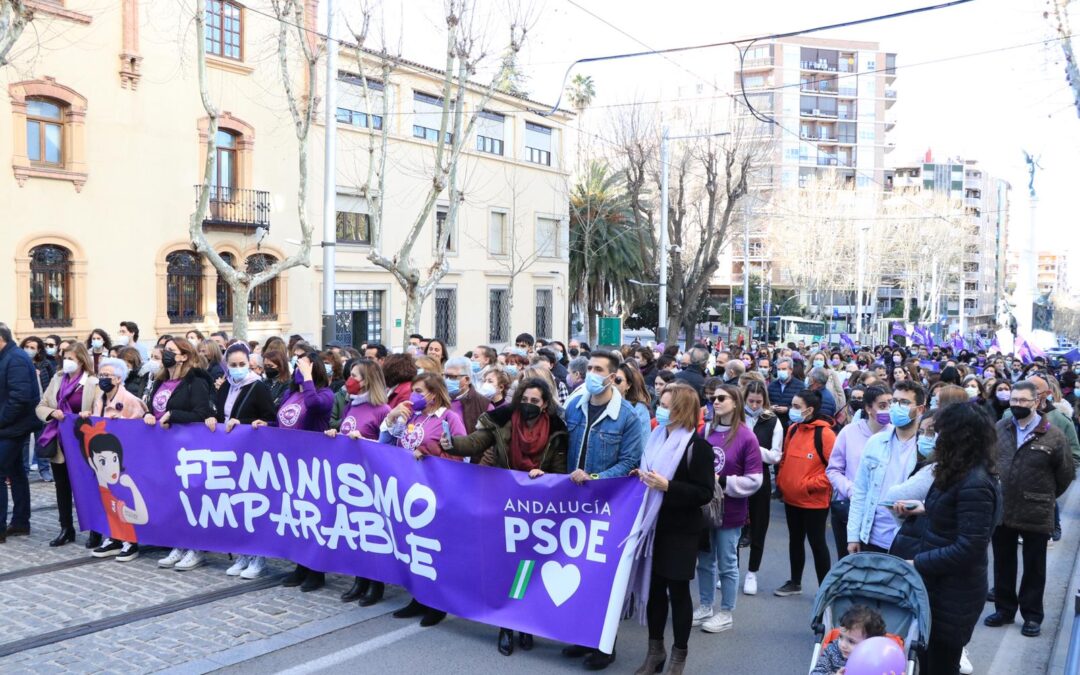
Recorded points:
(784, 329)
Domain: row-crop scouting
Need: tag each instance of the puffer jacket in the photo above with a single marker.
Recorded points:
(1033, 475)
(953, 553)
(491, 442)
(801, 475)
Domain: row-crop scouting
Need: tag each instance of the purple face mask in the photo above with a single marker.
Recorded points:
(418, 401)
(882, 417)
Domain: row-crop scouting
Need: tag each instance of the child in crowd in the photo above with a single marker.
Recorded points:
(857, 624)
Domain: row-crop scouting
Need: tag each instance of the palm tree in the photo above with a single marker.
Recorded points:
(605, 251)
(580, 93)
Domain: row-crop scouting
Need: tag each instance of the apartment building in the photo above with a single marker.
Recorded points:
(1051, 272)
(108, 150)
(985, 201)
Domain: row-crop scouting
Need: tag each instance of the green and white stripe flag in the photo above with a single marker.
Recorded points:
(521, 579)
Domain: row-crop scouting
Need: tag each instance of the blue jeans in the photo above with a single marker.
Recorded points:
(724, 545)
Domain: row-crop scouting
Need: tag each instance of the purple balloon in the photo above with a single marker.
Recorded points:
(877, 656)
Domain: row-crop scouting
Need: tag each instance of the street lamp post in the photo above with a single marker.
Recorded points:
(662, 305)
(329, 182)
(860, 290)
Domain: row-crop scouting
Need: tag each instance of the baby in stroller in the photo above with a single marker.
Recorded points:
(857, 624)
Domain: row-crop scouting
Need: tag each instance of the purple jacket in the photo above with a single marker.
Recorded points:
(308, 409)
(742, 466)
(365, 418)
(846, 454)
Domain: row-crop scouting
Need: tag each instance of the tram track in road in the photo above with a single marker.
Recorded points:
(47, 568)
(106, 623)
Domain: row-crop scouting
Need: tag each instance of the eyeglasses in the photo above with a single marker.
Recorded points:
(50, 344)
(619, 380)
(720, 398)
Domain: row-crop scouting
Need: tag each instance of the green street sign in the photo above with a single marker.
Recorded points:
(610, 330)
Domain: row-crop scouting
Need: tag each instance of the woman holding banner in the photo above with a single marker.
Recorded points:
(360, 416)
(677, 467)
(181, 394)
(306, 408)
(526, 435)
(418, 425)
(71, 391)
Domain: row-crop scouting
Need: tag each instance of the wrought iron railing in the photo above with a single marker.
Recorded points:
(233, 208)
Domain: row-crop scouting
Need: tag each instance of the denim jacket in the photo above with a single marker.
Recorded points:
(868, 488)
(616, 440)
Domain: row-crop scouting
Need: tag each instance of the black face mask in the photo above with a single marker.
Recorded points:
(168, 359)
(271, 373)
(573, 352)
(106, 385)
(1020, 412)
(529, 411)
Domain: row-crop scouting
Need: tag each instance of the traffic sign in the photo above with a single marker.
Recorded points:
(738, 302)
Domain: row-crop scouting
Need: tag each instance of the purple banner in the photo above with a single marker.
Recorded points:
(542, 556)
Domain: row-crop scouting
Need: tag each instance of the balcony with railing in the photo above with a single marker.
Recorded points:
(237, 210)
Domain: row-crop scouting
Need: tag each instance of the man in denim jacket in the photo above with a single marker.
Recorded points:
(888, 459)
(605, 435)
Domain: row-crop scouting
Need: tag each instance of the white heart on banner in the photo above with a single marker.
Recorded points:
(561, 581)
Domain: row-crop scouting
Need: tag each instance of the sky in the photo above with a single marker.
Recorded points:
(978, 80)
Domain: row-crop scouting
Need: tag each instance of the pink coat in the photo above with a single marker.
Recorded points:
(124, 405)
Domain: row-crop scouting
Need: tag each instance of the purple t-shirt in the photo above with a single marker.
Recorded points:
(739, 457)
(364, 418)
(307, 409)
(161, 398)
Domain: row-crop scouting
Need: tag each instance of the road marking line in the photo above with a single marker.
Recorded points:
(343, 655)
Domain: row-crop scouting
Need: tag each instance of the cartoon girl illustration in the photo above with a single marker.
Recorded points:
(105, 456)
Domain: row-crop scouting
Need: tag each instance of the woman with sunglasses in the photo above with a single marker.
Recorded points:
(632, 387)
(770, 439)
(737, 464)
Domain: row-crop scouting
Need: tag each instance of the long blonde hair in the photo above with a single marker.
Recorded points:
(374, 384)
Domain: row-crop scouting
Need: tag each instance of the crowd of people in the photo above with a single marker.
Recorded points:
(933, 456)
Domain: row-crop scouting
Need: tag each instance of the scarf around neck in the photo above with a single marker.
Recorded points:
(527, 443)
(234, 391)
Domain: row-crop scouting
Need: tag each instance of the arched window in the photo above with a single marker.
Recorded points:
(183, 287)
(50, 286)
(45, 131)
(262, 305)
(224, 293)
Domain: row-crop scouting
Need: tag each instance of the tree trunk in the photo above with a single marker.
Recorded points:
(590, 328)
(413, 303)
(240, 294)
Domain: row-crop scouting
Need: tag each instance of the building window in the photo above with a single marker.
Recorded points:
(50, 286)
(225, 168)
(427, 118)
(353, 228)
(352, 104)
(547, 238)
(262, 303)
(441, 215)
(355, 118)
(498, 315)
(537, 144)
(543, 312)
(497, 233)
(446, 315)
(489, 132)
(359, 317)
(224, 29)
(183, 287)
(224, 293)
(44, 132)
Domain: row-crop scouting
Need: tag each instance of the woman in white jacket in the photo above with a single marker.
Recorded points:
(770, 435)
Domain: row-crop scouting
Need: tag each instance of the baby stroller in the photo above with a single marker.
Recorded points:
(885, 583)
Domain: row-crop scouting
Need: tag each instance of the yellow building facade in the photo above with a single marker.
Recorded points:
(106, 135)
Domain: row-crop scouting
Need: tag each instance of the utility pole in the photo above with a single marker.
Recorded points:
(329, 181)
(746, 265)
(861, 264)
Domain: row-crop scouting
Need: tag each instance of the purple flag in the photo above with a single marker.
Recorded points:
(958, 343)
(995, 346)
(898, 330)
(979, 344)
(846, 339)
(542, 556)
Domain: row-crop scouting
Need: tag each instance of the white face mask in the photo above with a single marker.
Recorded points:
(487, 390)
(70, 366)
(122, 340)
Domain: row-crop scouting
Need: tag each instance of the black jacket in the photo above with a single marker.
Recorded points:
(689, 489)
(136, 384)
(192, 400)
(253, 402)
(20, 393)
(1033, 475)
(45, 371)
(952, 556)
(695, 377)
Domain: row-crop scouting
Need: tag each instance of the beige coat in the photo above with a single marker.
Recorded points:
(131, 406)
(49, 405)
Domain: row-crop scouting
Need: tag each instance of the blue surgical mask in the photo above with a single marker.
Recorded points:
(795, 415)
(783, 375)
(819, 363)
(97, 343)
(663, 415)
(293, 361)
(751, 413)
(329, 370)
(51, 351)
(512, 371)
(926, 445)
(934, 402)
(453, 386)
(595, 384)
(238, 374)
(899, 415)
(475, 366)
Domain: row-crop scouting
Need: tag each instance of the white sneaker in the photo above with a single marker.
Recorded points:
(965, 663)
(719, 583)
(749, 586)
(174, 557)
(701, 615)
(255, 569)
(238, 566)
(190, 561)
(720, 622)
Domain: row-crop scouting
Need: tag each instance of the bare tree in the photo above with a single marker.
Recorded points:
(292, 21)
(702, 207)
(14, 16)
(463, 54)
